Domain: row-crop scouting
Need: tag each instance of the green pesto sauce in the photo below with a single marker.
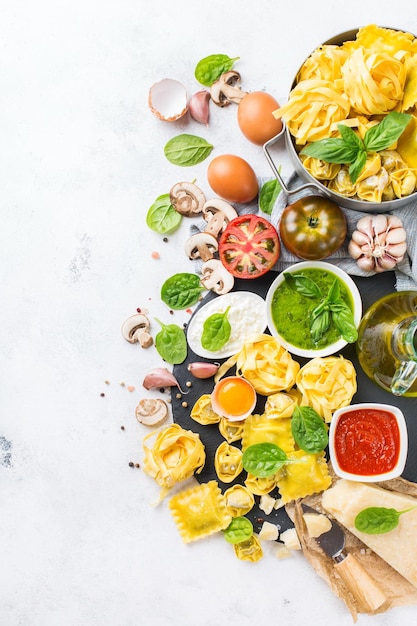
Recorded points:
(291, 311)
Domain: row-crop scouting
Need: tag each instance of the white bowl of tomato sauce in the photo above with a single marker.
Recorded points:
(368, 442)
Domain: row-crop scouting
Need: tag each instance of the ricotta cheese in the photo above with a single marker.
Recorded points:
(247, 317)
(398, 547)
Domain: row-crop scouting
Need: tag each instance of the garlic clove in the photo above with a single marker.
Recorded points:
(199, 106)
(167, 100)
(203, 370)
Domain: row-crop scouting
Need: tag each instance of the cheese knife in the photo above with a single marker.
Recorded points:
(363, 587)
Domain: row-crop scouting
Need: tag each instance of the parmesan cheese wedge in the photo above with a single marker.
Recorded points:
(397, 547)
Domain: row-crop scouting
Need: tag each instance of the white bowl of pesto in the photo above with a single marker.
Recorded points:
(313, 308)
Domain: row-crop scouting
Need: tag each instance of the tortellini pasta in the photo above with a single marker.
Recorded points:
(202, 411)
(249, 550)
(239, 500)
(228, 462)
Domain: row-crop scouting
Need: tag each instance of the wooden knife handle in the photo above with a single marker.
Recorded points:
(364, 588)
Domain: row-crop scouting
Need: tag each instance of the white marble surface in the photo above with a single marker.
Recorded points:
(81, 160)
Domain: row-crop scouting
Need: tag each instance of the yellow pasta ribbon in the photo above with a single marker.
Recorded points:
(265, 363)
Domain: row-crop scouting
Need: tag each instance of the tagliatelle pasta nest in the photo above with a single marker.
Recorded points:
(357, 84)
(264, 363)
(327, 384)
(176, 454)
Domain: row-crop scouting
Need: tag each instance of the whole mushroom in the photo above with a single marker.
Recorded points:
(151, 411)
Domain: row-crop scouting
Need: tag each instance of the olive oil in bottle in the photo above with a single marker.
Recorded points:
(387, 343)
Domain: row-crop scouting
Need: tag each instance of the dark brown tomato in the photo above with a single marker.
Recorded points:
(313, 228)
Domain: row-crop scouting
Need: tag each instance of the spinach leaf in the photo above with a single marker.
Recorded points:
(171, 343)
(216, 331)
(186, 150)
(309, 430)
(263, 459)
(376, 520)
(162, 217)
(181, 290)
(209, 69)
(239, 529)
(304, 285)
(268, 195)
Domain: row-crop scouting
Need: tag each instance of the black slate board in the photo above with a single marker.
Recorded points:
(371, 289)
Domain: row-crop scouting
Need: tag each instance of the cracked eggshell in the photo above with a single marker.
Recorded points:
(168, 100)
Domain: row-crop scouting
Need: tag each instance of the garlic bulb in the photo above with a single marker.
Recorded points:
(378, 243)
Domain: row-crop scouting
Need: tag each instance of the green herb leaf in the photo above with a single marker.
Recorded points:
(357, 166)
(309, 430)
(332, 150)
(319, 325)
(303, 284)
(350, 138)
(376, 520)
(263, 459)
(240, 529)
(162, 217)
(209, 69)
(268, 195)
(181, 290)
(334, 292)
(171, 343)
(186, 150)
(343, 319)
(383, 135)
(216, 331)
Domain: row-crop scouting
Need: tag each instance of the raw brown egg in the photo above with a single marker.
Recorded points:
(233, 397)
(232, 178)
(255, 118)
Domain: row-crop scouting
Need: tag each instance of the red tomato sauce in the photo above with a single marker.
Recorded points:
(367, 441)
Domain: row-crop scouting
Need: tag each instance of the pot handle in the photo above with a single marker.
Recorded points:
(266, 146)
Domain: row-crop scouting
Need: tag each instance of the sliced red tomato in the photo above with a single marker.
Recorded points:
(249, 246)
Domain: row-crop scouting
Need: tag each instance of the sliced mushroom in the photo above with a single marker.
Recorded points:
(151, 411)
(217, 213)
(216, 277)
(134, 327)
(187, 199)
(224, 90)
(201, 246)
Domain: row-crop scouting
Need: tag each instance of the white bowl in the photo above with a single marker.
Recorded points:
(379, 440)
(343, 276)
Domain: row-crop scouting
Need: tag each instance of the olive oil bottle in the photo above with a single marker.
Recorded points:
(387, 343)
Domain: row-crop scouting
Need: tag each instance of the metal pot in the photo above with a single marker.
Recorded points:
(312, 184)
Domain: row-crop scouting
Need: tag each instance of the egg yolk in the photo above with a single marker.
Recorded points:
(235, 396)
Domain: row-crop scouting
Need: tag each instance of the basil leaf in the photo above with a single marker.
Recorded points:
(171, 343)
(382, 135)
(240, 529)
(162, 217)
(209, 69)
(319, 325)
(343, 319)
(181, 290)
(309, 430)
(186, 150)
(268, 195)
(376, 520)
(350, 138)
(216, 331)
(304, 285)
(334, 292)
(263, 459)
(356, 167)
(332, 150)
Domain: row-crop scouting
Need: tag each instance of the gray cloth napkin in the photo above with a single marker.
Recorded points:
(405, 272)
